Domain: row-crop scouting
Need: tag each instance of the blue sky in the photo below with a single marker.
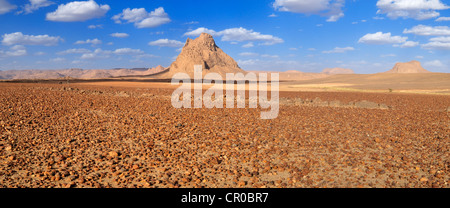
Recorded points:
(367, 36)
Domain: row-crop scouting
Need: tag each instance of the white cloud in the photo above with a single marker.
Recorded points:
(21, 39)
(97, 54)
(89, 41)
(191, 23)
(248, 54)
(120, 35)
(199, 31)
(74, 51)
(440, 43)
(17, 50)
(95, 26)
(407, 44)
(58, 59)
(78, 11)
(441, 39)
(104, 54)
(330, 8)
(416, 9)
(269, 56)
(379, 38)
(273, 15)
(166, 43)
(440, 19)
(238, 34)
(141, 18)
(436, 45)
(6, 7)
(428, 30)
(248, 45)
(340, 50)
(378, 18)
(387, 55)
(127, 51)
(35, 5)
(435, 63)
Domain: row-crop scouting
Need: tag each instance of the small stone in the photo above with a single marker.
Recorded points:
(423, 179)
(242, 183)
(113, 154)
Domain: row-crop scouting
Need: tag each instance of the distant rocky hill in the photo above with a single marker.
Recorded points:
(78, 73)
(337, 71)
(202, 51)
(408, 67)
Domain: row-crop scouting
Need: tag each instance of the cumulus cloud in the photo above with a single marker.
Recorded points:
(95, 26)
(407, 44)
(6, 7)
(166, 43)
(440, 19)
(74, 51)
(199, 31)
(18, 38)
(58, 59)
(141, 18)
(416, 9)
(434, 63)
(89, 41)
(428, 30)
(127, 51)
(238, 34)
(102, 54)
(248, 54)
(248, 45)
(380, 38)
(330, 8)
(439, 43)
(17, 50)
(120, 35)
(35, 5)
(340, 50)
(97, 54)
(78, 11)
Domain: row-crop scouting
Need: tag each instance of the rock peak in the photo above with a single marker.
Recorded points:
(408, 67)
(206, 36)
(202, 51)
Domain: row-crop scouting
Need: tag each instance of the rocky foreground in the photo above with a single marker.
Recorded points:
(85, 136)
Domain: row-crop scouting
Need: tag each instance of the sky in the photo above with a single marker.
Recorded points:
(368, 36)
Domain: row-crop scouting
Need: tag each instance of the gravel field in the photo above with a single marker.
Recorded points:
(56, 135)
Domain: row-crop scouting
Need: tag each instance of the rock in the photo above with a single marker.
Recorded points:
(337, 71)
(366, 104)
(113, 154)
(202, 51)
(409, 67)
(423, 179)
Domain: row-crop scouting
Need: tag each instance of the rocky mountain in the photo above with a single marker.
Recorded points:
(337, 71)
(408, 67)
(202, 51)
(78, 73)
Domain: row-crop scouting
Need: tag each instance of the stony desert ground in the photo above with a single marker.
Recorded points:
(85, 135)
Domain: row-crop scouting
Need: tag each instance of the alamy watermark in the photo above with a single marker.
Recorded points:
(213, 97)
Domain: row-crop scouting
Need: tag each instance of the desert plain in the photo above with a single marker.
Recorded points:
(127, 134)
